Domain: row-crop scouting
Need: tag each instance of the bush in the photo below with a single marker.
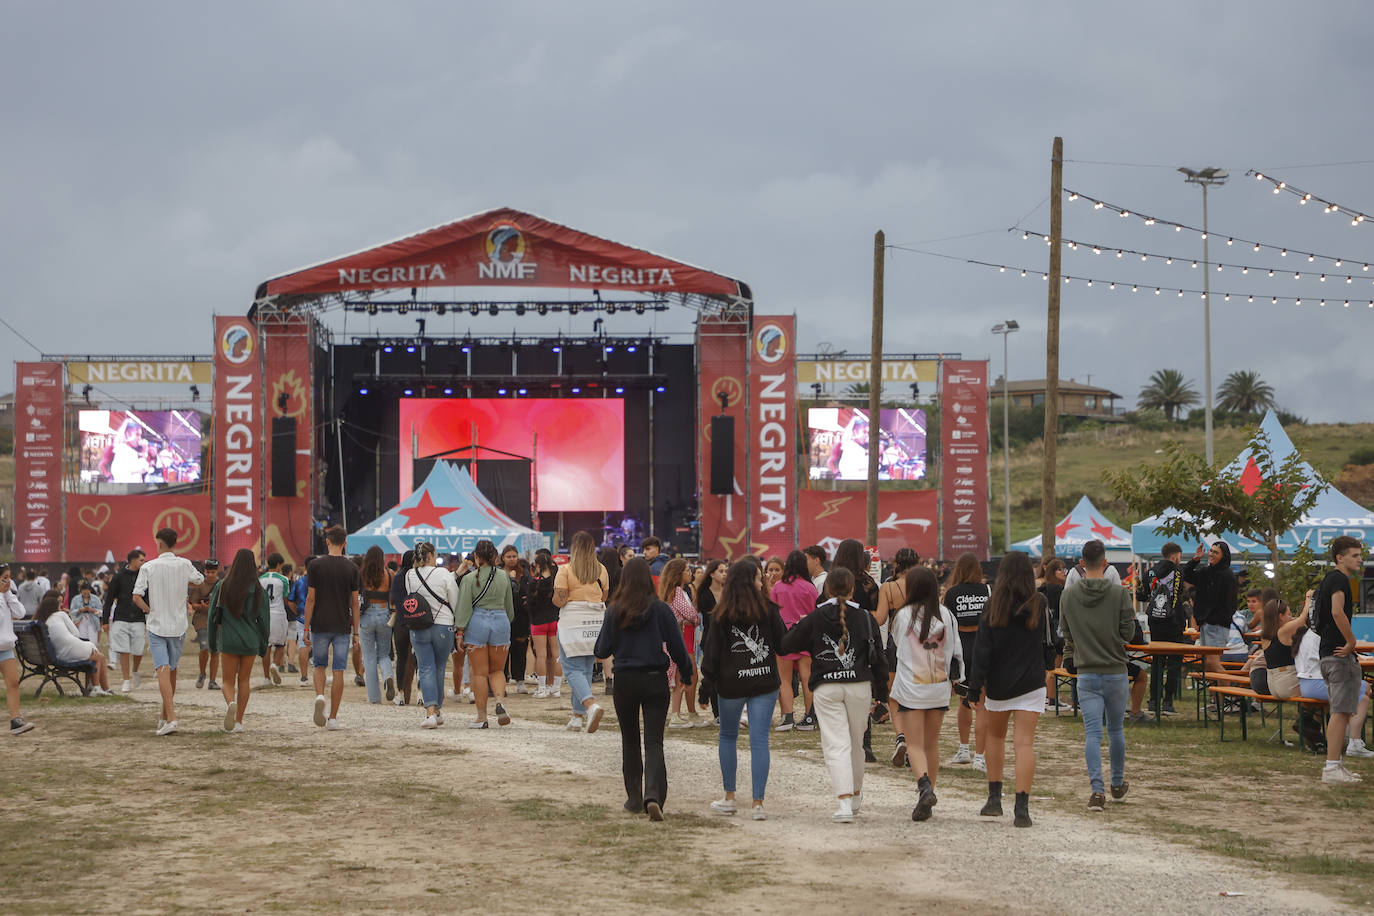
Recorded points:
(1290, 419)
(1149, 420)
(1361, 456)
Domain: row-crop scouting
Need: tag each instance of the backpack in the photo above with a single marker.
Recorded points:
(1163, 606)
(416, 611)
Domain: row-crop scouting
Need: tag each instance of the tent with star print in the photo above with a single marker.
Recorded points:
(1083, 524)
(448, 511)
(1333, 515)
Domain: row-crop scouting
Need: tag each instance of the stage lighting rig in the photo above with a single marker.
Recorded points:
(195, 393)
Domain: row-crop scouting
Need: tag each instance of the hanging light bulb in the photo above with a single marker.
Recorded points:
(1150, 221)
(1252, 298)
(1245, 270)
(1311, 258)
(1118, 252)
(1230, 241)
(1073, 195)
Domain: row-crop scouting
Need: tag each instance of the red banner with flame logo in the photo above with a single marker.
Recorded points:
(723, 357)
(287, 342)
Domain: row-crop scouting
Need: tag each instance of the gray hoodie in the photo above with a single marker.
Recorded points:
(1097, 618)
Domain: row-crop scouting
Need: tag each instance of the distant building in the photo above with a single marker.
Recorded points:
(1075, 398)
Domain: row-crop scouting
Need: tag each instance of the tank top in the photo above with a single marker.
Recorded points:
(380, 596)
(1277, 655)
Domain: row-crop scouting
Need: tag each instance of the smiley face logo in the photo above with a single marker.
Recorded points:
(184, 523)
(730, 387)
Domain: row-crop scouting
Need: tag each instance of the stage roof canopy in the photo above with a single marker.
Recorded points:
(505, 248)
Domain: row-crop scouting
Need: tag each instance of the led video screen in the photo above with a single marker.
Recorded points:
(838, 443)
(580, 458)
(135, 451)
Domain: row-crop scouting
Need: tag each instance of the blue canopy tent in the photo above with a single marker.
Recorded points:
(448, 511)
(1334, 514)
(1083, 524)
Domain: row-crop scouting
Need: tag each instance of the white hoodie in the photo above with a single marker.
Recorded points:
(10, 611)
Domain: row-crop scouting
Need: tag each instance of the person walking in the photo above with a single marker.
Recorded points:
(891, 597)
(331, 620)
(520, 623)
(1013, 650)
(579, 591)
(127, 623)
(544, 629)
(642, 634)
(11, 609)
(851, 555)
(740, 663)
(795, 596)
(432, 644)
(373, 632)
(239, 624)
(198, 596)
(160, 592)
(275, 583)
(68, 645)
(482, 621)
(1098, 618)
(929, 658)
(404, 671)
(966, 596)
(672, 582)
(705, 600)
(847, 670)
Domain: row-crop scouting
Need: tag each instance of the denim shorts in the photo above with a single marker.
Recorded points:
(319, 649)
(7, 655)
(166, 650)
(1215, 635)
(488, 627)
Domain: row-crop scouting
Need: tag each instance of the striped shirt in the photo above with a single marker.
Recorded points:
(163, 582)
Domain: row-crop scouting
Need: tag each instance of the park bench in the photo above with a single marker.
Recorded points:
(1303, 704)
(37, 658)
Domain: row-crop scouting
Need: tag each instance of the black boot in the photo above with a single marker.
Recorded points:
(994, 806)
(869, 756)
(1022, 810)
(926, 801)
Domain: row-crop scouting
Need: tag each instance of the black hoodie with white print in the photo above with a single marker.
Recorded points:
(834, 661)
(741, 660)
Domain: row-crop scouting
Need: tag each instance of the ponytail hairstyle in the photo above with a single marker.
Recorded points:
(923, 594)
(1269, 622)
(485, 553)
(424, 554)
(903, 560)
(840, 586)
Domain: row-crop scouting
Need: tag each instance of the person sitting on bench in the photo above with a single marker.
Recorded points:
(68, 646)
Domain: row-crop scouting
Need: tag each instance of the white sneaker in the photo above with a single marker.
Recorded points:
(167, 728)
(679, 721)
(702, 722)
(521, 688)
(440, 716)
(575, 724)
(138, 679)
(962, 755)
(160, 724)
(758, 813)
(126, 686)
(399, 701)
(856, 800)
(724, 806)
(845, 813)
(594, 714)
(332, 725)
(230, 714)
(532, 680)
(540, 693)
(468, 696)
(1355, 747)
(238, 728)
(980, 763)
(430, 722)
(274, 675)
(453, 694)
(319, 710)
(556, 693)
(1338, 775)
(304, 682)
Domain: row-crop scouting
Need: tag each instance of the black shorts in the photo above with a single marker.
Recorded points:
(1135, 668)
(930, 709)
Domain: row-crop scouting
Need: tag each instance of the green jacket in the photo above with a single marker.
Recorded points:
(498, 596)
(1097, 618)
(246, 635)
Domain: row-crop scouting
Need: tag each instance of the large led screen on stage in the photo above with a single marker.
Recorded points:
(839, 444)
(578, 443)
(136, 451)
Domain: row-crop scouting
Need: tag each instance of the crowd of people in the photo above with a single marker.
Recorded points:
(834, 644)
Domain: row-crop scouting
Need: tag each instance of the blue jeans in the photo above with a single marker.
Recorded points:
(1102, 695)
(578, 673)
(321, 642)
(432, 647)
(760, 724)
(166, 650)
(375, 637)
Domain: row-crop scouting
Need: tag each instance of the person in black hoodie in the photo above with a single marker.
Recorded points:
(636, 630)
(1166, 612)
(1214, 601)
(851, 555)
(848, 670)
(739, 662)
(1012, 651)
(126, 621)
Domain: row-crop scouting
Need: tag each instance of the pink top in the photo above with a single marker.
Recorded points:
(794, 599)
(682, 608)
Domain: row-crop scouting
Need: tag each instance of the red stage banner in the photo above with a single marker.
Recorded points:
(38, 403)
(906, 518)
(723, 360)
(964, 454)
(503, 248)
(97, 525)
(286, 343)
(773, 430)
(237, 449)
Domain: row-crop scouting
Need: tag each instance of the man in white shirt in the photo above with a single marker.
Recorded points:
(815, 567)
(161, 593)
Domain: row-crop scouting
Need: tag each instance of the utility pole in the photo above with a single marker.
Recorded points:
(875, 387)
(1203, 178)
(1047, 495)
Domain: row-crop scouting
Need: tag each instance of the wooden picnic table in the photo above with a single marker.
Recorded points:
(1157, 651)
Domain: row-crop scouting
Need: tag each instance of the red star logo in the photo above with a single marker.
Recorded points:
(426, 513)
(1102, 530)
(1250, 478)
(1064, 527)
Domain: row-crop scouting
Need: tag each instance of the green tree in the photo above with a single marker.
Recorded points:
(1210, 499)
(1245, 392)
(1167, 391)
(857, 390)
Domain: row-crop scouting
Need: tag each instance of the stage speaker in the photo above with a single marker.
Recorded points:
(283, 456)
(722, 456)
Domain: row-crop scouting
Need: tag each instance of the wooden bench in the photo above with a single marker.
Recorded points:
(1062, 678)
(1304, 704)
(37, 659)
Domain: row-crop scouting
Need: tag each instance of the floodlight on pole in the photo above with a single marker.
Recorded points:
(1004, 328)
(1204, 178)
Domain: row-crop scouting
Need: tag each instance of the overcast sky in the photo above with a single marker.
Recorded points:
(160, 160)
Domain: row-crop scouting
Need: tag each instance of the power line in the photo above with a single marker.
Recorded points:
(16, 333)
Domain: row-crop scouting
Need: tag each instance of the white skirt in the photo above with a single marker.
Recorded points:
(1033, 701)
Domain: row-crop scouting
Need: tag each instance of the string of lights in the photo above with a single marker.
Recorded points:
(1305, 197)
(1127, 213)
(1146, 256)
(1158, 290)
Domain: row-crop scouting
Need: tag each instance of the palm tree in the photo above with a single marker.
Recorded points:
(1168, 392)
(857, 390)
(1245, 392)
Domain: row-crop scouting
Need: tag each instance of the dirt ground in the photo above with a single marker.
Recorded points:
(97, 814)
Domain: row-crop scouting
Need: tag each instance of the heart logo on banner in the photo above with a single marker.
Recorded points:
(95, 517)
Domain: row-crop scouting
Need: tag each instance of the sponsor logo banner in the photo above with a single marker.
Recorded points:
(964, 458)
(723, 355)
(906, 518)
(238, 437)
(139, 371)
(38, 397)
(772, 429)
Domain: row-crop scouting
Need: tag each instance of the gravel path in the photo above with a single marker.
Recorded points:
(1065, 864)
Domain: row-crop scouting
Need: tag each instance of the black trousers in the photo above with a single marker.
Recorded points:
(1173, 664)
(516, 657)
(405, 668)
(642, 693)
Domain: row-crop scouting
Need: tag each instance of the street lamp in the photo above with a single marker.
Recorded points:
(1204, 178)
(1004, 328)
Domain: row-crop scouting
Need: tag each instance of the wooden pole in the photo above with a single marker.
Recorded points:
(1047, 496)
(875, 387)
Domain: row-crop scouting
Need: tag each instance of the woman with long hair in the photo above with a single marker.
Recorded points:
(1280, 633)
(705, 598)
(929, 657)
(1012, 651)
(847, 669)
(642, 634)
(520, 623)
(851, 555)
(485, 610)
(967, 596)
(433, 644)
(373, 632)
(795, 598)
(544, 629)
(240, 625)
(400, 635)
(11, 609)
(68, 646)
(739, 658)
(891, 597)
(675, 575)
(580, 590)
(610, 558)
